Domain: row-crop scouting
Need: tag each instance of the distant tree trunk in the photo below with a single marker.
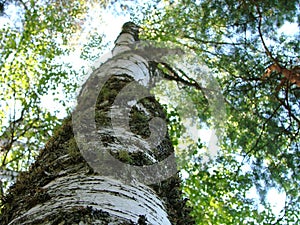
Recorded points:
(69, 185)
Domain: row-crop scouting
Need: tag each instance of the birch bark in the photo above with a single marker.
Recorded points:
(98, 168)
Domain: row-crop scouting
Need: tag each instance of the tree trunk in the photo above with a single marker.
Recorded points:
(112, 162)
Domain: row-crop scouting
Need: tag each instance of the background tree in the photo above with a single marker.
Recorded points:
(253, 47)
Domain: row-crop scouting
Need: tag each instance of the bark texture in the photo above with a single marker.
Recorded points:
(63, 187)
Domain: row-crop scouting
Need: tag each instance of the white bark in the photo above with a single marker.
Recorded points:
(101, 193)
(117, 190)
(125, 62)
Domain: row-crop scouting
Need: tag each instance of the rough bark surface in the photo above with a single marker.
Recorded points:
(62, 188)
(106, 199)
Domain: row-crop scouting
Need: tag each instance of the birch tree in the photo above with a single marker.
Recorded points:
(112, 162)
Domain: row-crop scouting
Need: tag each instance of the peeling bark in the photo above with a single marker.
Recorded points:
(104, 197)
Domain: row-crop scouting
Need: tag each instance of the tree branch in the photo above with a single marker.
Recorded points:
(23, 4)
(262, 131)
(212, 42)
(292, 75)
(173, 75)
(288, 108)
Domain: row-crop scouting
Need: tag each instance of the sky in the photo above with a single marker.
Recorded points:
(102, 21)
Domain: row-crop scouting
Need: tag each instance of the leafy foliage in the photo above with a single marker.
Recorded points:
(257, 64)
(33, 41)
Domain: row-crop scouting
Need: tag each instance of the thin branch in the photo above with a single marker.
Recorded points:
(292, 75)
(288, 108)
(173, 75)
(212, 42)
(262, 131)
(262, 38)
(24, 5)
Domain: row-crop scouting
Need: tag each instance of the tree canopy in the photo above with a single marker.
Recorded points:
(250, 47)
(253, 48)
